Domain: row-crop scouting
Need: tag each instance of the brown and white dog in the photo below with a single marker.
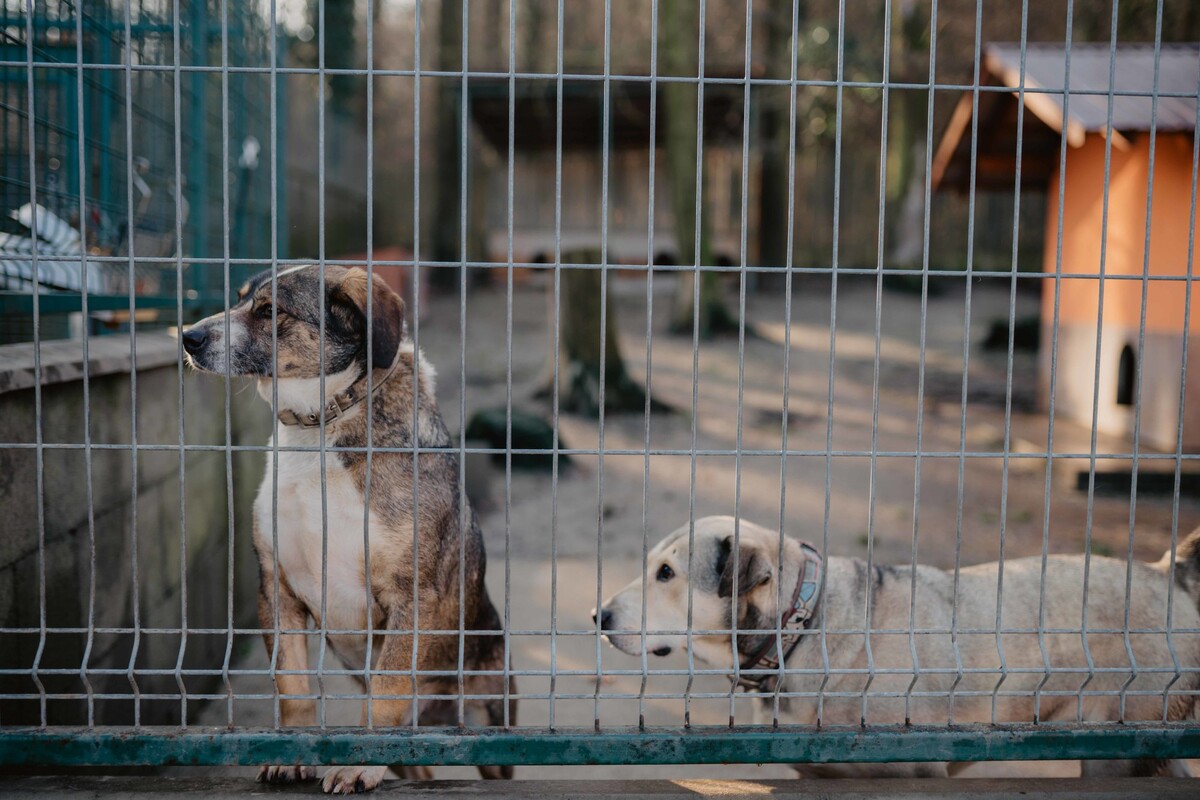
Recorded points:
(277, 336)
(827, 653)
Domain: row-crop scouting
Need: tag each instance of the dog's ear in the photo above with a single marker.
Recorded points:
(753, 569)
(387, 324)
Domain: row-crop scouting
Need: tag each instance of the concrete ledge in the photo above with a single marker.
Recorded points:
(62, 360)
(881, 789)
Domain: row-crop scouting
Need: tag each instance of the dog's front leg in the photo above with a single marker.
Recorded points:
(291, 657)
(391, 698)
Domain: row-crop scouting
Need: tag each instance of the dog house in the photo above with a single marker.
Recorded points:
(1123, 241)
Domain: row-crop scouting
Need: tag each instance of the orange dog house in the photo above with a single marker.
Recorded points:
(1129, 164)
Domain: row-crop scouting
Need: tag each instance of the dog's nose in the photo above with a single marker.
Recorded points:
(605, 619)
(194, 340)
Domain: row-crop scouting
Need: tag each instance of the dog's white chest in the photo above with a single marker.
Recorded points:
(314, 528)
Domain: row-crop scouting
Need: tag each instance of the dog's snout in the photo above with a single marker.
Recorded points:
(194, 340)
(606, 617)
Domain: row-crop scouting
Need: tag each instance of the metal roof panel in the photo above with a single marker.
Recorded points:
(1130, 71)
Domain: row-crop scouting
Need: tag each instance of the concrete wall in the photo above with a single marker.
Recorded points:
(163, 557)
(1122, 244)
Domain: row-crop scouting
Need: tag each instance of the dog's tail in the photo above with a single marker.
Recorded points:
(1187, 564)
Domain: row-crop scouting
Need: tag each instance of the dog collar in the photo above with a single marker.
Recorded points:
(341, 402)
(806, 597)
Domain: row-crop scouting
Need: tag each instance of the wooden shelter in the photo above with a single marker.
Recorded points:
(1123, 242)
(585, 135)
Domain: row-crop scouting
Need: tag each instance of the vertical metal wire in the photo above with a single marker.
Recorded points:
(465, 516)
(789, 256)
(1053, 388)
(368, 587)
(81, 143)
(508, 339)
(276, 711)
(178, 144)
(872, 488)
(324, 626)
(741, 383)
(925, 257)
(1140, 360)
(229, 571)
(698, 277)
(39, 457)
(131, 238)
(1008, 376)
(604, 158)
(554, 389)
(649, 351)
(1091, 493)
(833, 299)
(868, 605)
(1187, 316)
(416, 372)
(966, 366)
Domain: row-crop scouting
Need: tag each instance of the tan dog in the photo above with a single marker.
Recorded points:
(281, 333)
(840, 610)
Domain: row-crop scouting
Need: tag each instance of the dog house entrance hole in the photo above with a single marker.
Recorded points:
(1126, 371)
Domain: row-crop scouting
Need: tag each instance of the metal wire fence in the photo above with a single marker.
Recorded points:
(1052, 656)
(110, 116)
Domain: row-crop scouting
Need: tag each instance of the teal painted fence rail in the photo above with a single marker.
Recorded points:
(125, 747)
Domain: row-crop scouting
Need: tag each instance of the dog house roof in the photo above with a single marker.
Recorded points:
(1054, 107)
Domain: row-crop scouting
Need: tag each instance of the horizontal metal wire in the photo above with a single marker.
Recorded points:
(832, 631)
(633, 266)
(749, 697)
(591, 673)
(583, 451)
(597, 77)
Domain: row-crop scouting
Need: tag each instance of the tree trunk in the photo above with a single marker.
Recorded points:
(679, 53)
(533, 29)
(341, 53)
(773, 142)
(579, 365)
(909, 218)
(478, 180)
(906, 142)
(448, 143)
(906, 180)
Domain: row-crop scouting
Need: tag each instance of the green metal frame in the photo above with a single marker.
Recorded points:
(125, 747)
(68, 302)
(107, 165)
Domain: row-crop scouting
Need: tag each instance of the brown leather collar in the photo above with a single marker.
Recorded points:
(343, 401)
(806, 598)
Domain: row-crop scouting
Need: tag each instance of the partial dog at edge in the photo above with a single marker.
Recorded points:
(288, 510)
(825, 600)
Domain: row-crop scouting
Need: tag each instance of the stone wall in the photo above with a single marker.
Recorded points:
(132, 556)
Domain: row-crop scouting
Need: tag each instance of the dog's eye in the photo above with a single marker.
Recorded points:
(263, 311)
(665, 573)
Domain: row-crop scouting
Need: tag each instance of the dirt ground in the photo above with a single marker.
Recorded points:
(591, 529)
(611, 502)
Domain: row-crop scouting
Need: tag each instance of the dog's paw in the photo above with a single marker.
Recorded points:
(350, 780)
(278, 774)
